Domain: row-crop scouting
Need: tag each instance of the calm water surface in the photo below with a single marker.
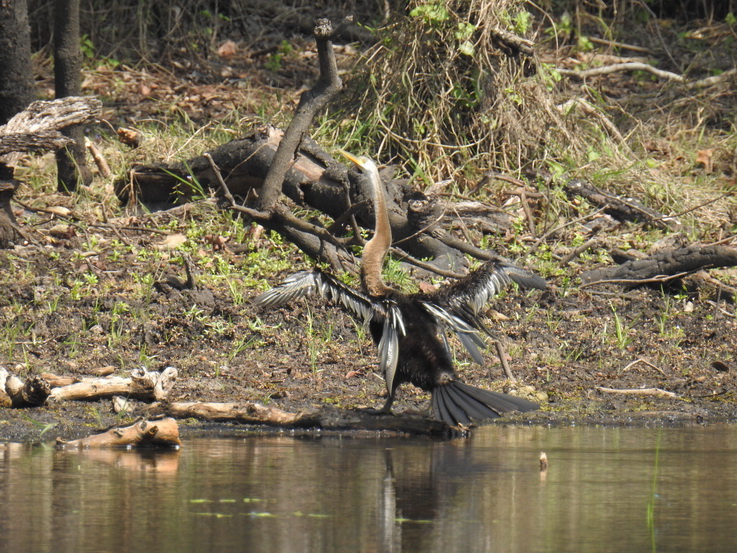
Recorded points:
(606, 489)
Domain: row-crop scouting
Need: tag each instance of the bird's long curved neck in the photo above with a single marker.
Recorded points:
(375, 249)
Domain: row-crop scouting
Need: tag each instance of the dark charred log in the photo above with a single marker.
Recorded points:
(623, 209)
(665, 265)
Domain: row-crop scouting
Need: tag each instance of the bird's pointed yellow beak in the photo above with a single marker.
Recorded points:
(350, 157)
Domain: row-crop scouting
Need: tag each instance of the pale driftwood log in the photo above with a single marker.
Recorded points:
(37, 127)
(56, 381)
(247, 413)
(158, 433)
(326, 419)
(144, 385)
(31, 392)
(96, 388)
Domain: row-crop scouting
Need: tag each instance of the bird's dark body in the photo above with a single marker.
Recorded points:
(423, 359)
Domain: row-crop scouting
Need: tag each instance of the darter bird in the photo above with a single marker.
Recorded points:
(411, 330)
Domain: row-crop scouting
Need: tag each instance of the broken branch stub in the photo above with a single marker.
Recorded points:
(31, 392)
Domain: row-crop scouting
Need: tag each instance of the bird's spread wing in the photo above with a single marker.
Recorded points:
(304, 283)
(294, 286)
(367, 308)
(457, 307)
(467, 334)
(474, 291)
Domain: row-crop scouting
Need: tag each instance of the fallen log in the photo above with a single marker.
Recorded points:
(663, 266)
(326, 419)
(314, 179)
(37, 128)
(267, 165)
(142, 384)
(657, 392)
(245, 413)
(159, 433)
(619, 207)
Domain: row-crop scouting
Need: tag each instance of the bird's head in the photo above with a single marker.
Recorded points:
(366, 165)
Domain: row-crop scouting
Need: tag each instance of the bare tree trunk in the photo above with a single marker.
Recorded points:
(70, 162)
(16, 84)
(327, 86)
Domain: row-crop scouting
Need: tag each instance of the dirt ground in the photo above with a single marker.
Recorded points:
(88, 290)
(566, 349)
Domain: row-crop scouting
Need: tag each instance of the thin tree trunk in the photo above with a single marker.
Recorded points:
(70, 162)
(16, 83)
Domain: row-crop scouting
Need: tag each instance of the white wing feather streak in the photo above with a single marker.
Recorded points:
(466, 333)
(388, 353)
(304, 283)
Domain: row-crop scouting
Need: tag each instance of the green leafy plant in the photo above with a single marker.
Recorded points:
(432, 13)
(621, 333)
(275, 60)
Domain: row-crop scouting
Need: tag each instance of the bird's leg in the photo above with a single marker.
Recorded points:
(386, 409)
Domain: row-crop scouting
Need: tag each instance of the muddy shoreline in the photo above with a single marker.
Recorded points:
(577, 353)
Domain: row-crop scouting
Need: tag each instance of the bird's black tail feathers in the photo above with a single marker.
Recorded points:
(456, 402)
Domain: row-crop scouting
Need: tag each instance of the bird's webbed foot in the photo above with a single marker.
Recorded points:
(386, 409)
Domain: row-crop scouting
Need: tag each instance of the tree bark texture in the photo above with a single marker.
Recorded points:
(327, 86)
(8, 224)
(664, 264)
(35, 129)
(16, 79)
(70, 161)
